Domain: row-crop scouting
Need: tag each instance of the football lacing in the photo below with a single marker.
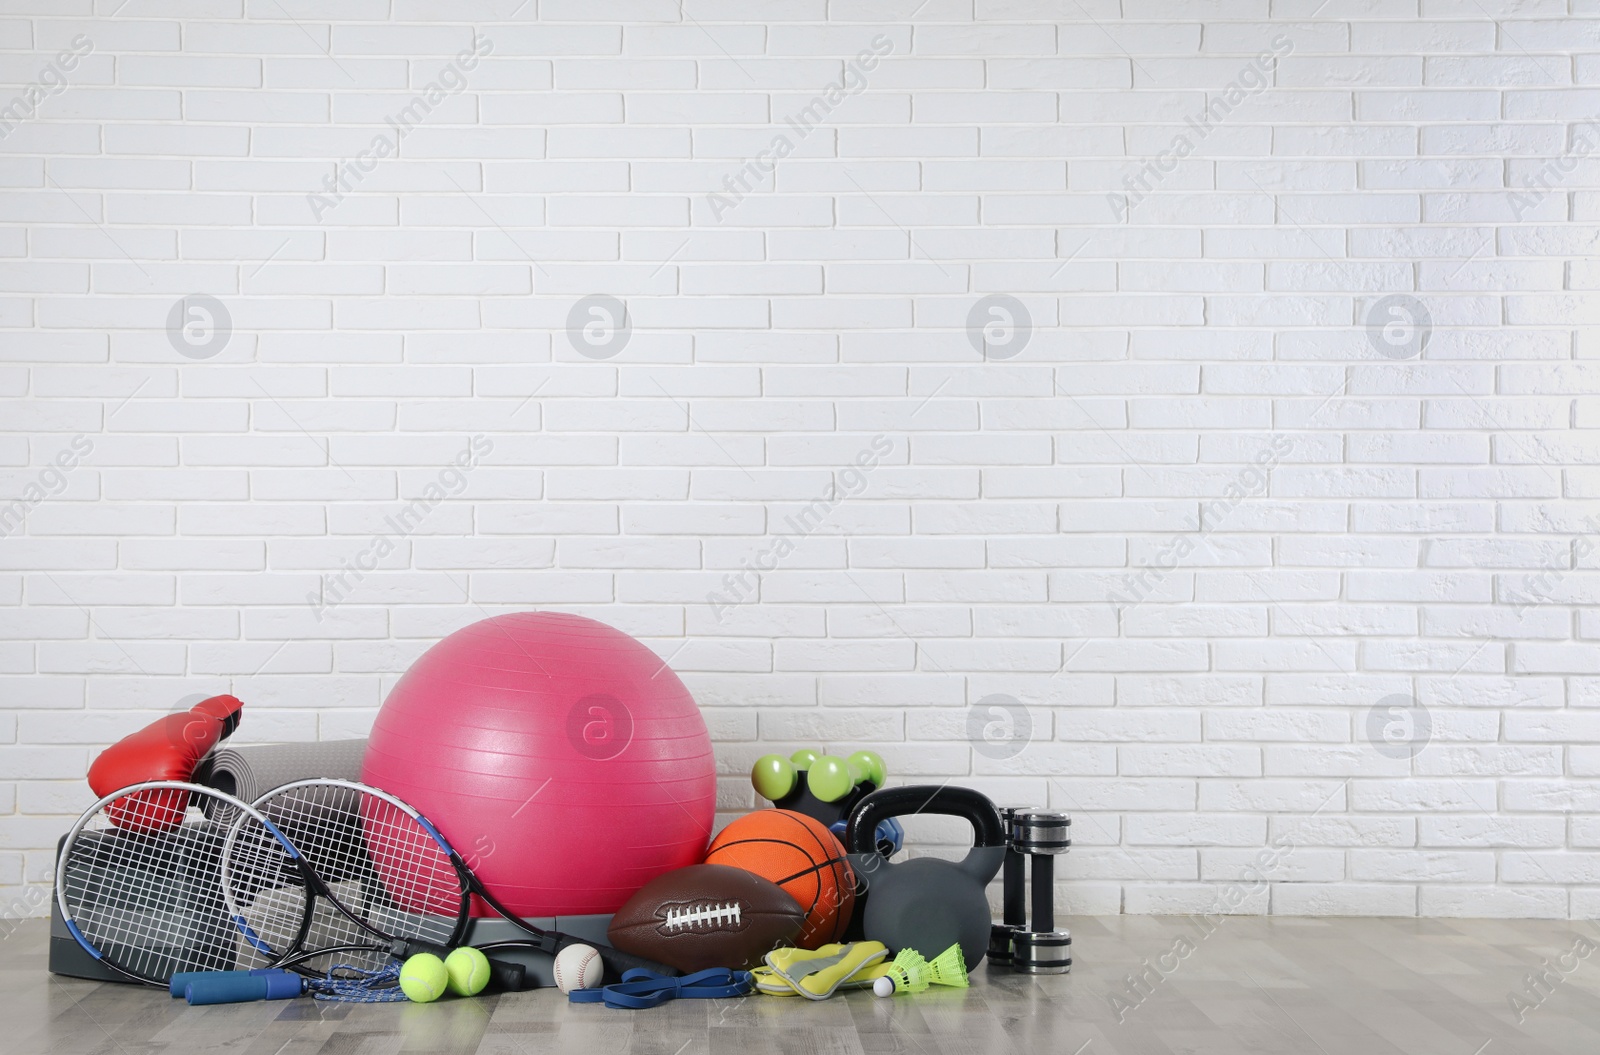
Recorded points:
(707, 915)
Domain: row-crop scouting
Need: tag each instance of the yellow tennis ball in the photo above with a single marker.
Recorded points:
(423, 978)
(469, 971)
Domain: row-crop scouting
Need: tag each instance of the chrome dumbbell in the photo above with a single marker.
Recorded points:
(1039, 835)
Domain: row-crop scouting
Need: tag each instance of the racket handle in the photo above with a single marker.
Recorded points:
(508, 977)
(233, 989)
(617, 961)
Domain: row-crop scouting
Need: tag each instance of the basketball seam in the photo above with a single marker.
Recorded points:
(813, 868)
(835, 863)
(795, 819)
(776, 842)
(815, 865)
(830, 861)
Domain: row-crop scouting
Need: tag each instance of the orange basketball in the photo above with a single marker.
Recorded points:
(802, 856)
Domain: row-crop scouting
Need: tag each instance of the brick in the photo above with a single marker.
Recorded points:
(1015, 538)
(1344, 899)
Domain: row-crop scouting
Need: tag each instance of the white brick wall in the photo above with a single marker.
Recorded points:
(1199, 237)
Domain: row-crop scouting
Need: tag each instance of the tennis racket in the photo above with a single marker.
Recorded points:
(137, 881)
(385, 883)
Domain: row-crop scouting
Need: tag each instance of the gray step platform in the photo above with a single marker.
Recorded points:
(68, 958)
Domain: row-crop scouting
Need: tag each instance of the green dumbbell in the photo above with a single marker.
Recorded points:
(773, 776)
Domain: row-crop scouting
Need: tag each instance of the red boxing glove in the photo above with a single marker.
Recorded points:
(167, 749)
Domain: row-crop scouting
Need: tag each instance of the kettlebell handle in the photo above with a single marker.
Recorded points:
(944, 801)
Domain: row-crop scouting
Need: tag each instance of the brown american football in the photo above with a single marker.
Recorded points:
(706, 916)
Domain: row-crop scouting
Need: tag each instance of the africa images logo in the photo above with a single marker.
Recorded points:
(52, 80)
(334, 588)
(347, 175)
(600, 726)
(743, 181)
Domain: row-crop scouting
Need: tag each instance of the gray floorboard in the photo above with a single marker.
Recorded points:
(1253, 985)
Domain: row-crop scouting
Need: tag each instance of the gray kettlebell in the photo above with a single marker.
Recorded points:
(926, 903)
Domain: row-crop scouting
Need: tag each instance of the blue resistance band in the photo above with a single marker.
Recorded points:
(640, 988)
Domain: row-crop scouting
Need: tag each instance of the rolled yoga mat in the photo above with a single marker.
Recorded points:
(249, 771)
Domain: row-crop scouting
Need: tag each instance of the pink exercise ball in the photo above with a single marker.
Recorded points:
(562, 758)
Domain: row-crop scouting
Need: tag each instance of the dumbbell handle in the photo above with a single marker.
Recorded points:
(1014, 890)
(1044, 893)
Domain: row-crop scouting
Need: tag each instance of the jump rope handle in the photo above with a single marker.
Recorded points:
(178, 985)
(233, 987)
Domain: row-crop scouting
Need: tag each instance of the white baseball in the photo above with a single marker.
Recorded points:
(578, 967)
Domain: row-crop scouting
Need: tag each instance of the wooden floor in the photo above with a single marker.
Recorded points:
(1253, 984)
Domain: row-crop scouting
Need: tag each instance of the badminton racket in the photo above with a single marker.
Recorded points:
(386, 883)
(137, 881)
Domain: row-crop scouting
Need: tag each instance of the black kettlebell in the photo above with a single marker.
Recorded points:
(926, 903)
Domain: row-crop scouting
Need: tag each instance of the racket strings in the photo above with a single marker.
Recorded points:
(266, 893)
(140, 883)
(380, 865)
